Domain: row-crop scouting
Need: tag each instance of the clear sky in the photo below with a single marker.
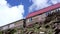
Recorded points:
(13, 10)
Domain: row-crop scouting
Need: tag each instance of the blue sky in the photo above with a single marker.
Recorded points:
(13, 10)
(26, 4)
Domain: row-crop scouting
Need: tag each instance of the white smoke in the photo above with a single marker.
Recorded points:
(8, 15)
(55, 1)
(39, 4)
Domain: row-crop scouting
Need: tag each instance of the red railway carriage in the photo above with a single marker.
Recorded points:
(40, 15)
(49, 8)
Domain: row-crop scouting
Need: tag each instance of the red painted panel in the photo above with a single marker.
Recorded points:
(43, 10)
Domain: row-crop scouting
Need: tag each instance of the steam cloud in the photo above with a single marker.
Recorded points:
(8, 15)
(39, 4)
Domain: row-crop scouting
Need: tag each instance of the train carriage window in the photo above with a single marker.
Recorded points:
(59, 8)
(5, 27)
(29, 20)
(47, 13)
(11, 25)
